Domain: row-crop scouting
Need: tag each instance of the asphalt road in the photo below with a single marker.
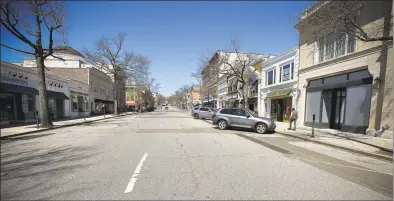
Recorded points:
(169, 155)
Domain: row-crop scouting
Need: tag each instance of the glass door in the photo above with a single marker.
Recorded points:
(274, 109)
(281, 109)
(337, 107)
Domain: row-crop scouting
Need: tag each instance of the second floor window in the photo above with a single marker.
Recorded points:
(271, 77)
(335, 44)
(286, 72)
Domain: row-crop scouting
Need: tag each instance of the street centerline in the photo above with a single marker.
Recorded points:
(134, 178)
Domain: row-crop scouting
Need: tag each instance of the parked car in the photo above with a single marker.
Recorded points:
(203, 113)
(193, 111)
(240, 117)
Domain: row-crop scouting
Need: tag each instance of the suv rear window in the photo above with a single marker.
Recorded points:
(204, 109)
(224, 111)
(196, 108)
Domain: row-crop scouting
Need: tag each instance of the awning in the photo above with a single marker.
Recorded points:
(17, 89)
(279, 93)
(103, 101)
(56, 95)
(131, 103)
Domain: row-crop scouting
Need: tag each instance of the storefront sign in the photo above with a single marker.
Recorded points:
(19, 79)
(25, 103)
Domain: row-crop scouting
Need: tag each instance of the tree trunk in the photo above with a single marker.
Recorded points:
(46, 122)
(245, 92)
(116, 112)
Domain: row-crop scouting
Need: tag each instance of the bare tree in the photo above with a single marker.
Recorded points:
(27, 20)
(198, 73)
(161, 98)
(179, 97)
(152, 85)
(235, 64)
(110, 56)
(346, 17)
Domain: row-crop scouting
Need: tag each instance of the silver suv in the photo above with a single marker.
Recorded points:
(202, 113)
(240, 117)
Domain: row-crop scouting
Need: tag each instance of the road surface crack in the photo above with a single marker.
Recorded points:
(187, 159)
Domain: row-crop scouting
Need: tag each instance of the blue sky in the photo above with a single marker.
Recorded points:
(175, 34)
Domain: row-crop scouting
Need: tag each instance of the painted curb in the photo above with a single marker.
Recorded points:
(387, 158)
(53, 128)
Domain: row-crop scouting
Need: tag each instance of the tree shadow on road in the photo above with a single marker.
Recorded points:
(24, 137)
(30, 173)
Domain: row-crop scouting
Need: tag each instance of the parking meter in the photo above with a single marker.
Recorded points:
(38, 125)
(313, 125)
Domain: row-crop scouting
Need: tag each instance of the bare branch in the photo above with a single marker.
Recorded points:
(17, 49)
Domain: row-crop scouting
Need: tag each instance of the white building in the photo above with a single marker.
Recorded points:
(279, 86)
(19, 94)
(94, 90)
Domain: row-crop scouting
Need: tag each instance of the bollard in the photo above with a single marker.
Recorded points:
(313, 125)
(38, 125)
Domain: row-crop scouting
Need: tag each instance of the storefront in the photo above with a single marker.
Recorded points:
(340, 102)
(281, 102)
(100, 106)
(252, 102)
(17, 94)
(17, 103)
(56, 95)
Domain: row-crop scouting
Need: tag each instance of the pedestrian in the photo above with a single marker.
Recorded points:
(293, 118)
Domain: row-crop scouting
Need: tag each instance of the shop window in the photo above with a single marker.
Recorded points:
(80, 104)
(312, 106)
(335, 79)
(86, 103)
(357, 111)
(30, 103)
(315, 83)
(74, 102)
(358, 75)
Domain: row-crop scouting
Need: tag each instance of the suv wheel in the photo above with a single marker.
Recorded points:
(261, 128)
(196, 116)
(222, 124)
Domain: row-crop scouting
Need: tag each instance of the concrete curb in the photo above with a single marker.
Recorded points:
(349, 138)
(56, 127)
(387, 158)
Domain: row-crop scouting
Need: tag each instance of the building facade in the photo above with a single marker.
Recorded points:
(98, 99)
(279, 86)
(19, 95)
(193, 97)
(345, 83)
(222, 92)
(75, 66)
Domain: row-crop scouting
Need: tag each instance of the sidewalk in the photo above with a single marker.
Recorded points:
(22, 130)
(373, 146)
